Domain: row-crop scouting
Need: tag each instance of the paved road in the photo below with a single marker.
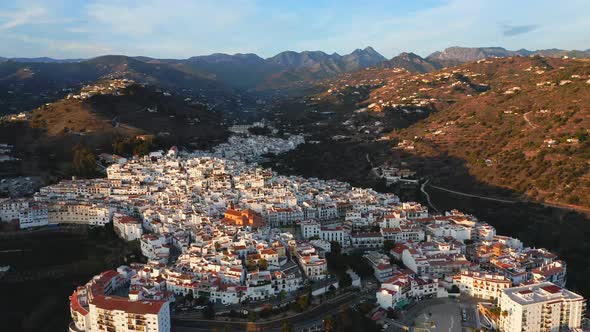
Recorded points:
(475, 196)
(427, 195)
(301, 321)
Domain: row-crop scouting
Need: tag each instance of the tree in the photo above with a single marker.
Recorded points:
(344, 280)
(495, 311)
(251, 264)
(202, 300)
(142, 148)
(252, 316)
(287, 327)
(209, 311)
(131, 145)
(454, 289)
(303, 302)
(335, 248)
(262, 264)
(84, 162)
(329, 323)
(388, 245)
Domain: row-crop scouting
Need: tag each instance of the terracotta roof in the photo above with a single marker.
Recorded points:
(552, 289)
(76, 306)
(119, 303)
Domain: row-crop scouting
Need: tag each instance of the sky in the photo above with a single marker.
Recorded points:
(185, 28)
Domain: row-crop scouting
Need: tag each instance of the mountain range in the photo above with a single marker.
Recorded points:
(26, 83)
(518, 123)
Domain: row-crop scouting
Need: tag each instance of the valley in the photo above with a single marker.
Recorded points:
(500, 135)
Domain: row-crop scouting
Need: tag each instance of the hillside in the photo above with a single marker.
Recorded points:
(24, 86)
(455, 55)
(225, 81)
(102, 114)
(528, 132)
(518, 123)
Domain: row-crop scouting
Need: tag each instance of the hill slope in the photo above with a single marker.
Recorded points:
(24, 86)
(45, 138)
(455, 55)
(519, 123)
(528, 132)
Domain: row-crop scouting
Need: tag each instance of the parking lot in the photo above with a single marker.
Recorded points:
(440, 317)
(469, 315)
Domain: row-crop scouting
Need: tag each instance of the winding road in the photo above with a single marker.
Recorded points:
(427, 195)
(305, 320)
(528, 121)
(475, 196)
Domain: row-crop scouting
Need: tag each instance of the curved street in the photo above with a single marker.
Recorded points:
(301, 321)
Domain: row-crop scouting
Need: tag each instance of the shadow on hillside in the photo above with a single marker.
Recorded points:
(563, 231)
(173, 119)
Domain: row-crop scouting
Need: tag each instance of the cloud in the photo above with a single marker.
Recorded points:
(20, 17)
(144, 18)
(59, 47)
(180, 28)
(515, 30)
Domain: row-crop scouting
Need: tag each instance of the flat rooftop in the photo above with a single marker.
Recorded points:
(538, 293)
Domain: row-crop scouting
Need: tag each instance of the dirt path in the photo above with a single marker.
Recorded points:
(524, 116)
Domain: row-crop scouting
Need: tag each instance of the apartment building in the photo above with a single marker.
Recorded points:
(540, 307)
(483, 285)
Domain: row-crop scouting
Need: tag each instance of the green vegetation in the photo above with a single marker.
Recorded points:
(209, 311)
(262, 264)
(133, 146)
(83, 162)
(388, 245)
(339, 263)
(63, 259)
(287, 327)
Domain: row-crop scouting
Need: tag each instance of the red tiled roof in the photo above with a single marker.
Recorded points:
(75, 304)
(552, 289)
(119, 303)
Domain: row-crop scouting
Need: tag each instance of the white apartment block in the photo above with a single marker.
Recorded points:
(382, 268)
(94, 308)
(155, 247)
(311, 264)
(402, 287)
(10, 208)
(128, 228)
(80, 213)
(366, 240)
(120, 314)
(483, 285)
(33, 216)
(554, 272)
(334, 234)
(310, 228)
(540, 307)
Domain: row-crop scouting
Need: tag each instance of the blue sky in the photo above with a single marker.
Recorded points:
(183, 28)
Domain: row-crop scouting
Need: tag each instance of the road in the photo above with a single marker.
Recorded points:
(546, 203)
(427, 196)
(476, 196)
(301, 321)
